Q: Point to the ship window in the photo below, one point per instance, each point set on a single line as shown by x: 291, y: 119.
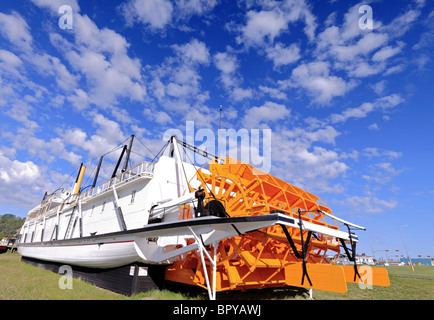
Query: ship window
x: 133, y: 196
x: 103, y: 205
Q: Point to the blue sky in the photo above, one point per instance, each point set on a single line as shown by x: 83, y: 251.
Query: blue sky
x: 350, y: 108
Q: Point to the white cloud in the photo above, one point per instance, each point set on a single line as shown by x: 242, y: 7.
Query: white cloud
x: 350, y: 50
x: 46, y: 150
x: 54, y: 5
x: 316, y: 79
x: 281, y: 55
x: 298, y: 159
x: 18, y: 181
x: 14, y: 171
x: 22, y: 112
x: 107, y: 136
x: 363, y: 53
x: 195, y: 52
x: 327, y: 134
x: 382, y: 173
x: 374, y: 126
x: 239, y: 94
x: 160, y: 117
x: 369, y: 204
x: 101, y: 57
x: 155, y: 13
x: 379, y: 87
x: 227, y: 63
x: 181, y: 75
x: 378, y: 152
x: 79, y: 99
x: 359, y: 112
x: 10, y: 63
x: 14, y: 28
x: 262, y: 27
x: 269, y: 112
x: 401, y: 24
x: 22, y: 183
x: 187, y: 8
x: 108, y: 128
x: 176, y: 84
x: 158, y: 14
x: 387, y: 52
x: 364, y: 46
x: 273, y: 92
x: 306, y: 166
x: 383, y: 104
x: 51, y: 67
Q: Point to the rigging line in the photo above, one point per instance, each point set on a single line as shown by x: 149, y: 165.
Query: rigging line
x: 70, y: 176
x: 197, y: 172
x: 119, y: 146
x: 185, y: 174
x: 112, y: 150
x: 162, y: 150
x: 145, y: 146
x: 139, y: 154
x: 89, y: 177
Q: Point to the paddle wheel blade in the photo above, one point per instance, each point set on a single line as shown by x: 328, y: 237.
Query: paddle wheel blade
x: 325, y: 277
x: 369, y: 276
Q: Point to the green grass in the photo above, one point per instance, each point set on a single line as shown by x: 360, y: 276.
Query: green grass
x: 20, y: 281
x: 405, y: 284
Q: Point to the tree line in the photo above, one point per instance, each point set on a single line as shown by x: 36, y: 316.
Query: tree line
x: 10, y: 225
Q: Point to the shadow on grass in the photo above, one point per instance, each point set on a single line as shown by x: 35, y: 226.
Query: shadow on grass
x: 280, y: 293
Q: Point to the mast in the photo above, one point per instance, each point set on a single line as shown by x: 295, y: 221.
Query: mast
x: 119, y: 161
x: 128, y: 153
x: 220, y: 128
x: 180, y: 171
x: 97, y: 172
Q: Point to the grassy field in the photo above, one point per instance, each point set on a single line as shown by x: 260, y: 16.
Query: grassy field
x: 20, y: 281
x: 405, y: 284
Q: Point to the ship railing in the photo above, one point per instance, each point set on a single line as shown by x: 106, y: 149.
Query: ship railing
x: 142, y: 169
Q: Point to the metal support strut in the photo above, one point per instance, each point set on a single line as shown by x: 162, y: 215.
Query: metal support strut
x: 352, y: 256
x: 304, y: 247
x: 201, y: 248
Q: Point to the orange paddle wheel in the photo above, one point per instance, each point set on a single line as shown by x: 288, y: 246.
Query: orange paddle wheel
x: 271, y: 257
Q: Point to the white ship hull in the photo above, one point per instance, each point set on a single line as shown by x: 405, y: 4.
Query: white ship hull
x: 85, y: 254
x: 154, y: 244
